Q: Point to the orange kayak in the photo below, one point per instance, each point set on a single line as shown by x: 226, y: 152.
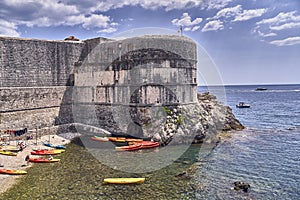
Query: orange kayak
x: 117, y: 139
x: 146, y: 144
x: 12, y: 172
x: 123, y: 139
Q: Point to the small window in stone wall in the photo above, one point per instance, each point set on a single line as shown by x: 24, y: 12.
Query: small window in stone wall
x: 129, y: 47
x: 109, y: 53
x: 195, y: 80
x: 172, y: 63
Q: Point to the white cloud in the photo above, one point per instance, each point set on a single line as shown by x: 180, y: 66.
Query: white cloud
x: 108, y: 30
x: 270, y: 35
x: 281, y: 18
x: 195, y: 28
x: 215, y: 4
x: 46, y: 13
x: 286, y: 42
x: 264, y: 34
x: 285, y: 26
x: 95, y: 21
x: 249, y: 14
x: 187, y: 22
x: 238, y: 14
x: 213, y: 26
x: 168, y: 5
x: 232, y: 14
x: 228, y: 12
x: 282, y: 21
x: 85, y: 13
x: 8, y: 29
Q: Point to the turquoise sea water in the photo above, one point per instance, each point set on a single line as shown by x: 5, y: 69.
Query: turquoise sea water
x: 265, y: 154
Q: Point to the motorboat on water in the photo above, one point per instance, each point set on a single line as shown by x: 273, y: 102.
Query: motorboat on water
x: 260, y: 89
x: 243, y: 105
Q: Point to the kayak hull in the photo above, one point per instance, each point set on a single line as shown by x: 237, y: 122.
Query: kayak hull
x: 146, y: 144
x: 54, y: 146
x: 8, y: 153
x: 12, y: 172
x: 129, y: 148
x: 124, y: 180
x: 101, y: 139
x: 47, y: 152
x: 43, y: 160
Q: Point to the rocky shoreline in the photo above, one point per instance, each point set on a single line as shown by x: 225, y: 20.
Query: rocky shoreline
x: 197, y: 123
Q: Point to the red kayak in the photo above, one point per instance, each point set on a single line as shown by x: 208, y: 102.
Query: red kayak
x: 43, y: 160
x: 129, y: 148
x: 47, y: 152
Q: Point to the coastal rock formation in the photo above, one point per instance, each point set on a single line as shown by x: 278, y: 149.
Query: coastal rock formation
x: 197, y: 122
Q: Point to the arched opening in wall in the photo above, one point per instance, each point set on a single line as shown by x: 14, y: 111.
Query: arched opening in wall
x: 148, y: 106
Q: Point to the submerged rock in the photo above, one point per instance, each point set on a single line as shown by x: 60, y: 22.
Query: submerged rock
x: 239, y: 185
x: 183, y: 174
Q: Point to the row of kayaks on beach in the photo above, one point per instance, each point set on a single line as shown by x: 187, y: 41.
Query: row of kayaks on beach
x: 9, y: 150
x: 40, y: 152
x: 133, y: 144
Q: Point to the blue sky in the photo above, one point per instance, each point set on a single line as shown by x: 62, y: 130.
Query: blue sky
x: 246, y: 41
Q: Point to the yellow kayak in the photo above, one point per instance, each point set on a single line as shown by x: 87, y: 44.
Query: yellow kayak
x: 8, y: 153
x: 124, y: 180
x: 12, y: 172
x: 11, y: 148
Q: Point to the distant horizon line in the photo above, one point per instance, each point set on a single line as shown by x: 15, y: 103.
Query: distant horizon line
x: 249, y: 84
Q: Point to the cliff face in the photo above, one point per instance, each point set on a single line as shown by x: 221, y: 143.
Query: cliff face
x: 197, y: 123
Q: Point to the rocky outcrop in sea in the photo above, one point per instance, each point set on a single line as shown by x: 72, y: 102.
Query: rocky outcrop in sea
x: 197, y: 123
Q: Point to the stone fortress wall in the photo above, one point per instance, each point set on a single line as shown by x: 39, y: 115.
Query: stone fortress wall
x: 34, y: 76
x: 41, y: 81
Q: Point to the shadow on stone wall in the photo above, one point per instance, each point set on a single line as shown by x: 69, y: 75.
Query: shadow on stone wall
x: 105, y: 112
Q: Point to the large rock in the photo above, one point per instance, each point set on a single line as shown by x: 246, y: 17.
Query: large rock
x: 197, y: 123
x: 239, y: 185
